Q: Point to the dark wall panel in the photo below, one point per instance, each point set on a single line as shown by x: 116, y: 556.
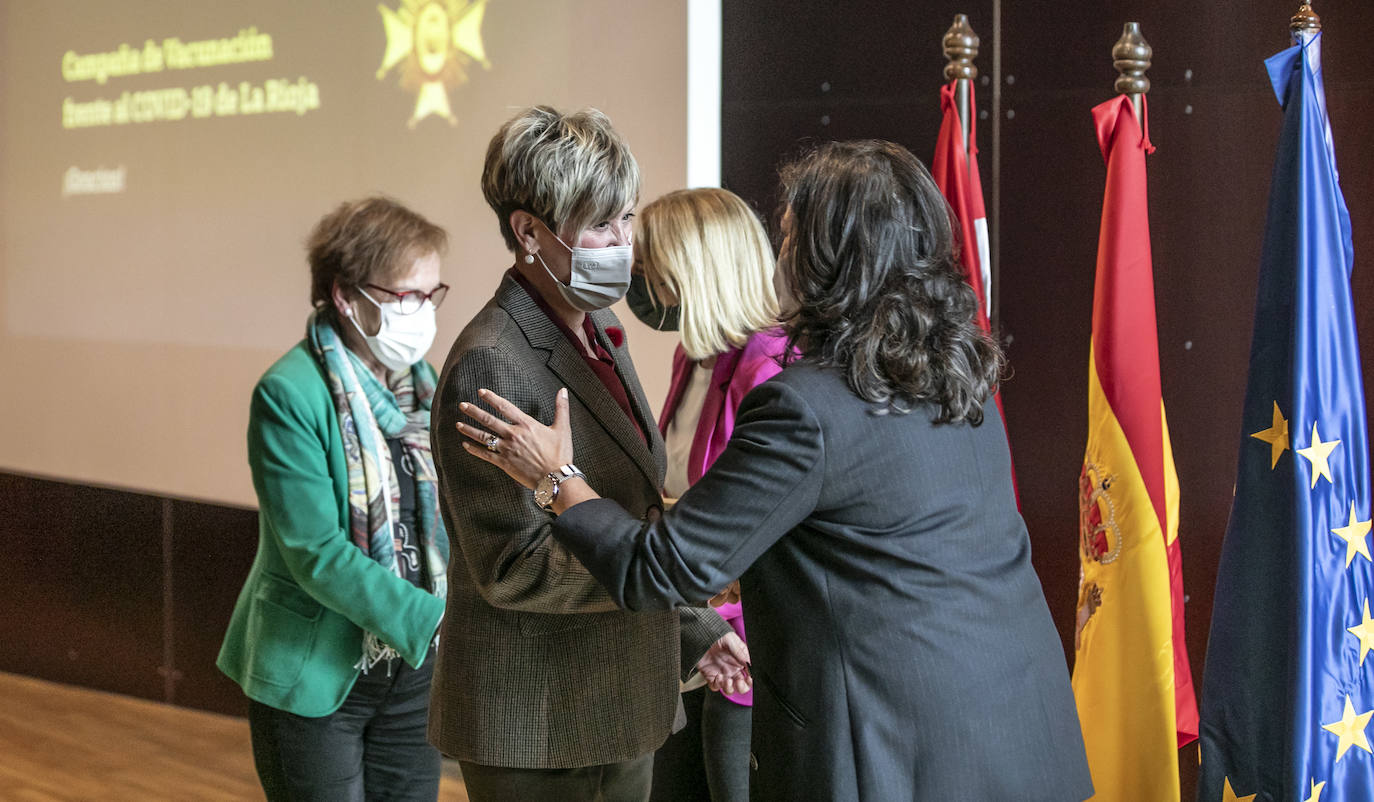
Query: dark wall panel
x: 211, y: 553
x: 82, y: 591
x: 1050, y: 210
x: 798, y: 73
x: 121, y: 591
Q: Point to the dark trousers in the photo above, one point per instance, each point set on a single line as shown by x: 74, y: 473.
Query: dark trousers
x: 612, y: 782
x: 725, y: 740
x: 709, y: 758
x: 372, y: 748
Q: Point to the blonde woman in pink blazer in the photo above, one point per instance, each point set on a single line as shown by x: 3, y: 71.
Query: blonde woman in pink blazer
x: 705, y: 269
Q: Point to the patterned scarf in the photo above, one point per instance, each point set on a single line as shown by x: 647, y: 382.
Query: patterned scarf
x: 370, y: 412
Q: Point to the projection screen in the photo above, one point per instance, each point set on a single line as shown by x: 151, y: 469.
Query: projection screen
x: 163, y: 162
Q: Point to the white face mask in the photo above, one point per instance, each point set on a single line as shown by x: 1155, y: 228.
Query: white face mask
x: 600, y: 276
x: 402, y: 340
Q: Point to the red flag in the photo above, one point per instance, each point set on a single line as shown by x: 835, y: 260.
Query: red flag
x: 956, y: 174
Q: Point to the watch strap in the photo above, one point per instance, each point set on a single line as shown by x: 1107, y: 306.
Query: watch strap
x: 556, y: 478
x: 566, y: 472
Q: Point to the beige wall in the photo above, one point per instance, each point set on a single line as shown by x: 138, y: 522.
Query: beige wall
x: 133, y: 325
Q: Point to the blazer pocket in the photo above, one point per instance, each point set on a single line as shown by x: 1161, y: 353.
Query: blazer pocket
x: 766, y: 682
x: 281, y: 631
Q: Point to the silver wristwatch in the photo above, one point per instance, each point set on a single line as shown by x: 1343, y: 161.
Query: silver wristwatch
x: 546, y: 491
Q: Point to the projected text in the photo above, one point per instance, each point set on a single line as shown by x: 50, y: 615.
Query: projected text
x: 173, y: 104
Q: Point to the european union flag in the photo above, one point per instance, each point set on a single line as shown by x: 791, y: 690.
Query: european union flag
x: 1288, y: 688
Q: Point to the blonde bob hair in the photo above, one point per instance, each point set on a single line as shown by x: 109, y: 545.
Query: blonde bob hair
x: 569, y: 170
x: 708, y: 248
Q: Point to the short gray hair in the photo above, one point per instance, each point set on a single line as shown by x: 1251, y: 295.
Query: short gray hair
x: 568, y: 170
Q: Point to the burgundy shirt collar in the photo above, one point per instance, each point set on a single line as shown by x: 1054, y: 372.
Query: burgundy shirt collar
x: 557, y: 320
x: 601, y: 361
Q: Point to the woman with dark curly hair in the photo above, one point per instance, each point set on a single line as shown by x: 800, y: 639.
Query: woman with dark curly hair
x: 902, y: 645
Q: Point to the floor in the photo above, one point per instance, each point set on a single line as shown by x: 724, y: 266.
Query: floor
x: 60, y: 743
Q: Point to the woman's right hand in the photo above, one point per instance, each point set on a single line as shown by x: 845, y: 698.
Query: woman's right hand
x: 524, y: 448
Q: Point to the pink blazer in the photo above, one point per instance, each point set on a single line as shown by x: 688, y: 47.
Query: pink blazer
x: 736, y: 372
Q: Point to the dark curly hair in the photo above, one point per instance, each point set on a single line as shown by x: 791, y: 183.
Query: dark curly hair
x: 874, y: 286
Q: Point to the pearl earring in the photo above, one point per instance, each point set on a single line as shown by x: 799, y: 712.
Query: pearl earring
x: 529, y: 258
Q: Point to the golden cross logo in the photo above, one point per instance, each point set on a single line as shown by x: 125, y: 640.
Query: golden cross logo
x: 435, y: 42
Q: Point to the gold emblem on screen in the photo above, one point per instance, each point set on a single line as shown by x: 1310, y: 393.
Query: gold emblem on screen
x: 435, y: 42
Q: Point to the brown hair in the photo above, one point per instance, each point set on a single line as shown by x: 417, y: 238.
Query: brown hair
x: 367, y: 240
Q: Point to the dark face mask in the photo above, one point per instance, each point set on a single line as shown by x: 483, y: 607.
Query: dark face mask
x: 653, y: 315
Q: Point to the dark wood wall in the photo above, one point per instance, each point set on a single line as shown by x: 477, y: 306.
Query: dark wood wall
x: 121, y: 591
x: 798, y: 72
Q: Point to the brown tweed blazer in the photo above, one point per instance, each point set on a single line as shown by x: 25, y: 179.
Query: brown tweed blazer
x: 537, y: 667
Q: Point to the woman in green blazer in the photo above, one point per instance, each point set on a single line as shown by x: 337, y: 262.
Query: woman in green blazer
x: 332, y: 638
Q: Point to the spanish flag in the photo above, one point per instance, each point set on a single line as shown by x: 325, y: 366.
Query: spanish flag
x: 1131, y: 677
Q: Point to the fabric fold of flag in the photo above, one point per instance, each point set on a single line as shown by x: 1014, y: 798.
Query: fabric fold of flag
x: 1131, y: 677
x: 956, y: 174
x: 1288, y: 693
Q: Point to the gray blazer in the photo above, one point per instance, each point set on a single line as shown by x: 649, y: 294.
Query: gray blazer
x: 902, y: 648
x: 537, y: 666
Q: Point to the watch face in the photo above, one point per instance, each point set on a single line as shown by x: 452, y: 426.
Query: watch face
x: 543, y: 492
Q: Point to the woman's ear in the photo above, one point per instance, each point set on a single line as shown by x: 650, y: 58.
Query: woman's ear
x: 525, y: 225
x: 340, y: 299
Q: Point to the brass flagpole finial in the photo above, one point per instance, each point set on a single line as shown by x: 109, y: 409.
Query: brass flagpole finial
x: 961, y: 48
x: 1131, y: 57
x: 1305, y: 20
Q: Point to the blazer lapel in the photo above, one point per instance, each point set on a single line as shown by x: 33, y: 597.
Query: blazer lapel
x: 648, y: 451
x: 566, y: 362
x: 712, y: 407
x: 682, y: 373
x: 539, y: 331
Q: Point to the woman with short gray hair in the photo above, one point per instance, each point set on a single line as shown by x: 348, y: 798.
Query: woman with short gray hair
x: 544, y: 688
x: 567, y: 170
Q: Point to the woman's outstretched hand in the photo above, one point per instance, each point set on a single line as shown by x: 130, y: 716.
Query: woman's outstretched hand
x: 524, y: 448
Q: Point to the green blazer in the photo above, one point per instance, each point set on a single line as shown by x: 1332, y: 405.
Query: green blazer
x: 297, y: 629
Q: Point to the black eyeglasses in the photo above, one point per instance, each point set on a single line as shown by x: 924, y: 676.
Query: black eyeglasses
x: 409, y: 302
